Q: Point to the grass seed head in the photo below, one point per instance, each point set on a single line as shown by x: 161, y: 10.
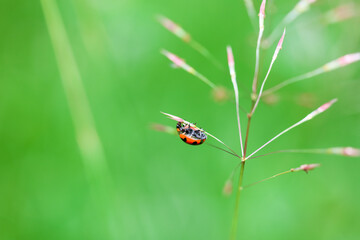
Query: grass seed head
x: 306, y: 167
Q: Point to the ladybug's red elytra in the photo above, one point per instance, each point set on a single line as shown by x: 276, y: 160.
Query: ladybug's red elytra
x: 189, y: 134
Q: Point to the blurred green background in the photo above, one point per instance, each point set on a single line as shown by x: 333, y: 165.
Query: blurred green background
x: 134, y: 183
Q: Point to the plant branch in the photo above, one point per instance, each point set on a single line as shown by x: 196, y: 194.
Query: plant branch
x: 231, y: 153
x: 277, y: 50
x: 310, y: 116
x: 305, y: 167
x: 236, y: 91
x: 330, y: 66
x: 241, y: 175
x: 343, y: 151
x: 178, y: 62
x: 265, y: 179
x: 301, y: 7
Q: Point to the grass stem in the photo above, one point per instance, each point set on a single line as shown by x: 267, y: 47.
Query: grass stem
x: 241, y: 175
x: 236, y: 210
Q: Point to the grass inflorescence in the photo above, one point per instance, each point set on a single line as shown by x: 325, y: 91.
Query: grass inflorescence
x: 256, y: 98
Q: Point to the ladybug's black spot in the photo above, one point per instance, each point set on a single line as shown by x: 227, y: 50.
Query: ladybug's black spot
x: 184, y: 139
x: 195, y: 143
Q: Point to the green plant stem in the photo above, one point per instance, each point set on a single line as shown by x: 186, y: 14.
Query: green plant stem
x: 247, y: 135
x: 236, y: 210
x: 241, y: 176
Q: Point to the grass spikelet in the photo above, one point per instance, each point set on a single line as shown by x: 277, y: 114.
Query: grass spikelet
x: 174, y: 28
x: 277, y: 50
x: 257, y: 58
x: 342, y: 151
x: 251, y: 11
x: 220, y: 94
x: 328, y: 67
x: 228, y: 188
x: 341, y: 13
x: 310, y: 116
x: 178, y: 31
x: 301, y: 7
x: 178, y: 62
x: 162, y: 128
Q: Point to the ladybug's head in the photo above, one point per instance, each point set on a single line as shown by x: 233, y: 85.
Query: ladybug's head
x: 199, y: 134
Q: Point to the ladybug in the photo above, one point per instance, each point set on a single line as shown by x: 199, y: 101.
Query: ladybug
x: 189, y: 134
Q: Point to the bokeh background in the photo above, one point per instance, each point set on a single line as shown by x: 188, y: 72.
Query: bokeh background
x: 61, y: 178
